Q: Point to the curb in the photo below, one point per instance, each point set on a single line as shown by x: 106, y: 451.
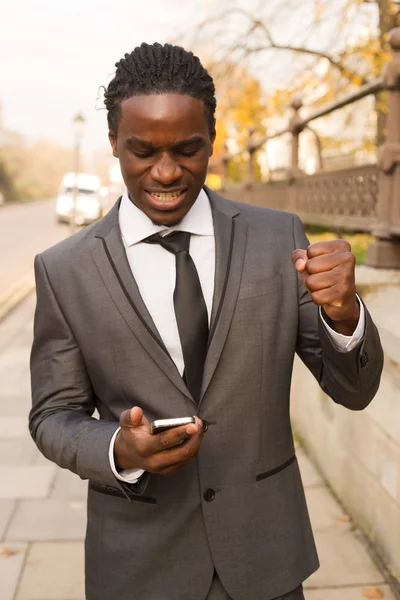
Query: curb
x: 16, y: 294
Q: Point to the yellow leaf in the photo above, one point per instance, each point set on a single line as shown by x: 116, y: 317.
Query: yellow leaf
x: 343, y: 518
x: 373, y: 592
x: 357, y: 80
x: 7, y: 552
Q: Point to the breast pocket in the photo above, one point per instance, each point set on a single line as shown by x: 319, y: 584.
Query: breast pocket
x: 260, y: 287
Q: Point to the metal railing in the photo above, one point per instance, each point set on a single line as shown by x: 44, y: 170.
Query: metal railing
x: 364, y: 198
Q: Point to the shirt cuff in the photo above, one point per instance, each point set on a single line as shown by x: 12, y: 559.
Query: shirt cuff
x: 127, y: 475
x: 345, y: 343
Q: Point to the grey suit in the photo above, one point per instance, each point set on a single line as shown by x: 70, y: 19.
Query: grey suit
x: 239, y: 506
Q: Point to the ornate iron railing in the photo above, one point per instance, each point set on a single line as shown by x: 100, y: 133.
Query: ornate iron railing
x: 346, y: 199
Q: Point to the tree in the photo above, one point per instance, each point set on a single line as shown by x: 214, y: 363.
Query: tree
x: 241, y: 110
x: 340, y: 42
x: 32, y: 172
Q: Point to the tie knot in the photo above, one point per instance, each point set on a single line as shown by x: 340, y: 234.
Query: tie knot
x: 175, y: 242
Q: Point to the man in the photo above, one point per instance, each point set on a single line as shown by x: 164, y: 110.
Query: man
x: 141, y: 321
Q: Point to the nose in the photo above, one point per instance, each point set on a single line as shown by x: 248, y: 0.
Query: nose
x: 166, y: 170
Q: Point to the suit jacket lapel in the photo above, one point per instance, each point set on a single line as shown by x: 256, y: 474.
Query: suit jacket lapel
x: 230, y: 242
x: 110, y: 257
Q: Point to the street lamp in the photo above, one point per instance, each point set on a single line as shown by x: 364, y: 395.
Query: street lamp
x: 78, y: 127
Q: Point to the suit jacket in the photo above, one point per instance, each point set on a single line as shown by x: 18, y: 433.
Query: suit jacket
x: 239, y: 506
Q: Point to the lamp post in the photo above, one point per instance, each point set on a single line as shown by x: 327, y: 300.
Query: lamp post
x: 78, y: 126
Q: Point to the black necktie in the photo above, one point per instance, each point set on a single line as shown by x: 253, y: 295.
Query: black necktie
x: 190, y: 308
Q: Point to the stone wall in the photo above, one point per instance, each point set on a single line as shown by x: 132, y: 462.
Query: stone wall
x: 359, y: 452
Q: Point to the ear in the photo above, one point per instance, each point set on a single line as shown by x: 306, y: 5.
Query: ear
x: 113, y: 141
x: 212, y: 140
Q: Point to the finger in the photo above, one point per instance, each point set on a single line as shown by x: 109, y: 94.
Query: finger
x: 327, y: 247
x: 200, y: 426
x: 171, y: 469
x: 320, y: 281
x: 328, y: 262
x: 299, y: 259
x: 172, y: 437
x: 133, y: 418
x: 180, y: 453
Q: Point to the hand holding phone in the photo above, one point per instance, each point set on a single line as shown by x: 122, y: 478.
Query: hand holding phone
x: 137, y: 447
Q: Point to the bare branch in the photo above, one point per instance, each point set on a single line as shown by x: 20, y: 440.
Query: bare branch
x: 256, y: 24
x: 301, y: 50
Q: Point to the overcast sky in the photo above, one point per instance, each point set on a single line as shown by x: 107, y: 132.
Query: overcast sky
x: 55, y: 54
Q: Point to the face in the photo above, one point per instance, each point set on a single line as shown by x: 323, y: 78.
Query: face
x: 163, y: 144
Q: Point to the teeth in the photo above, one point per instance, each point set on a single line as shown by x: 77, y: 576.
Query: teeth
x: 166, y: 196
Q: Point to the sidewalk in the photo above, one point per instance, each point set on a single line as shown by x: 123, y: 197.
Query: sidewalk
x: 43, y: 512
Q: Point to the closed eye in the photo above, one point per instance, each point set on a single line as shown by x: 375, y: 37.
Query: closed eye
x: 145, y: 154
x: 187, y: 152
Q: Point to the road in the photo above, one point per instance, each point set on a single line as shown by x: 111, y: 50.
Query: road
x: 25, y: 230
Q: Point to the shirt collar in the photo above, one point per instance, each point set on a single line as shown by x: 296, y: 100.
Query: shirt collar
x: 136, y: 226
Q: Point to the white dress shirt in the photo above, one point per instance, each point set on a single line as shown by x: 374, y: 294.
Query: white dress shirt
x: 151, y: 262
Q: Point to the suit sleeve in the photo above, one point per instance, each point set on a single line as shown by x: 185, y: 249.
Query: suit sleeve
x: 349, y: 378
x: 61, y: 421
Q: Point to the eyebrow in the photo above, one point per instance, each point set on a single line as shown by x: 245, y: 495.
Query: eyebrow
x: 194, y: 139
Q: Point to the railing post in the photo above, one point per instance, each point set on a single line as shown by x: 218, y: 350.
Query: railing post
x: 318, y: 145
x: 385, y: 251
x: 295, y: 130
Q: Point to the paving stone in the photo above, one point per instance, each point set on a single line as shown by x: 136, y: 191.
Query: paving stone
x: 309, y: 473
x: 11, y: 562
x: 347, y: 593
x: 344, y: 561
x: 53, y: 572
x: 12, y: 428
x: 51, y: 519
x: 32, y: 481
x: 6, y: 510
x: 17, y: 452
x: 67, y: 485
x: 324, y: 510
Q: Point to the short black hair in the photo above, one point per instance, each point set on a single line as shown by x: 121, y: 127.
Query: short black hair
x: 159, y: 69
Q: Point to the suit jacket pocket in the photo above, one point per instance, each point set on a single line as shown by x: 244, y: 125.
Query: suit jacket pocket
x: 259, y: 287
x: 278, y: 469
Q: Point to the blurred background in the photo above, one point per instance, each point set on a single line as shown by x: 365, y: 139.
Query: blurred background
x: 308, y: 120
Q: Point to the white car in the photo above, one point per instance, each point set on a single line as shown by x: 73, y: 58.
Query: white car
x: 85, y: 194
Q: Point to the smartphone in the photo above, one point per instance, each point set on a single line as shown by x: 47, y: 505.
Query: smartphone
x: 163, y: 424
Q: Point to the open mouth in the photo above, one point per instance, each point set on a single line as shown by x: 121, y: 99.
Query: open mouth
x: 166, y: 200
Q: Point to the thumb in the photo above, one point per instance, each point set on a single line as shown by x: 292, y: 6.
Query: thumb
x: 132, y: 418
x: 299, y: 259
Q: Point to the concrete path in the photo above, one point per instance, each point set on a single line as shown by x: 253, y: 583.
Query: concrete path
x: 42, y: 507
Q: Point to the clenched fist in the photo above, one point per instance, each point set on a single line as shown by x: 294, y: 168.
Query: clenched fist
x: 327, y: 271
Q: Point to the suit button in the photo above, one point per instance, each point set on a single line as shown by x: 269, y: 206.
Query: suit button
x: 205, y: 426
x: 209, y: 495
